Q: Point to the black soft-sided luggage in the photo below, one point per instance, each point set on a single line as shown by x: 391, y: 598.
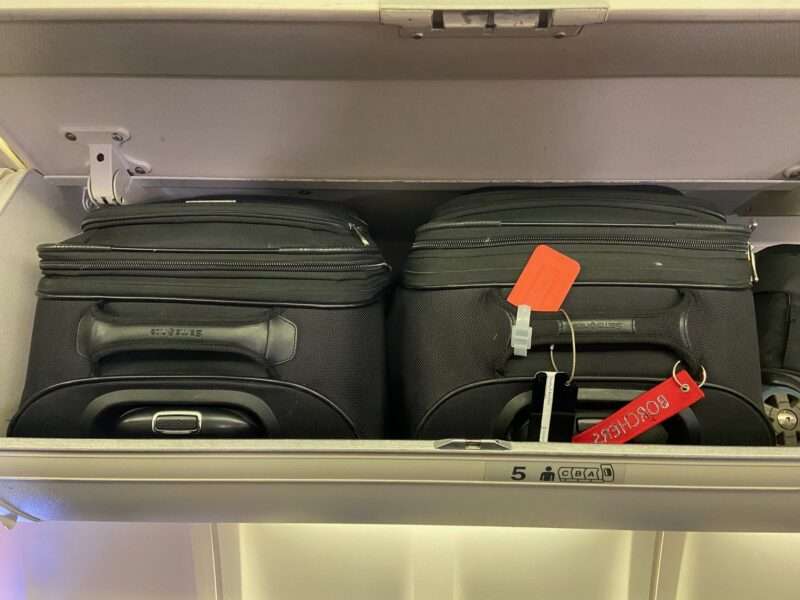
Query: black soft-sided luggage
x: 661, y: 281
x: 777, y: 296
x: 258, y: 318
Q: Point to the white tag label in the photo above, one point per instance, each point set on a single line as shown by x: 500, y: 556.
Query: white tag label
x: 547, y: 405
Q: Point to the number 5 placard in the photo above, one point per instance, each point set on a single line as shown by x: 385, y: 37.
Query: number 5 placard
x: 550, y: 472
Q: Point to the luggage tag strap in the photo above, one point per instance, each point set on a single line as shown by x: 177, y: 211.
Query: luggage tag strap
x: 522, y: 337
x: 542, y: 285
x: 554, y: 399
x: 648, y: 409
x: 574, y: 349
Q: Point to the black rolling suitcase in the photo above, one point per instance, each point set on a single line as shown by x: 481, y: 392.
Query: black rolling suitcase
x: 777, y: 296
x: 225, y: 318
x: 662, y: 285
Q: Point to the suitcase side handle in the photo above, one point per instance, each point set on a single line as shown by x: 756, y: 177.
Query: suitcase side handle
x: 270, y: 341
x: 179, y: 412
x: 668, y: 329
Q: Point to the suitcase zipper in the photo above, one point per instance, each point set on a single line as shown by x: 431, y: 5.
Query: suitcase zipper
x: 165, y: 250
x: 277, y: 219
x: 696, y: 226
x: 209, y: 265
x: 570, y: 200
x: 613, y: 240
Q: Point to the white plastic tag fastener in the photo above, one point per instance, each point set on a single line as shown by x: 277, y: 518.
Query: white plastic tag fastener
x: 521, y: 331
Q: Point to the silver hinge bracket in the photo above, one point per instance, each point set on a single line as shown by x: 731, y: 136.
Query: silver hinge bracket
x: 110, y: 169
x: 558, y: 21
x: 463, y: 444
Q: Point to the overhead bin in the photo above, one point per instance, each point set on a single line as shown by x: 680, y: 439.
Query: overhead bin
x: 343, y: 102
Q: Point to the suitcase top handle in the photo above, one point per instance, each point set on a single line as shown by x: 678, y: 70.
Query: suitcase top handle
x: 668, y: 328
x: 269, y: 341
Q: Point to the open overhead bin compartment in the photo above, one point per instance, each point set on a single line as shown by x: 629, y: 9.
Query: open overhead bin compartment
x: 347, y: 103
x: 388, y: 481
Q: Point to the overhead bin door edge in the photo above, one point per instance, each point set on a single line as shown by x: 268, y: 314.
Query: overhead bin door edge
x: 191, y: 10
x: 741, y: 11
x: 368, y: 10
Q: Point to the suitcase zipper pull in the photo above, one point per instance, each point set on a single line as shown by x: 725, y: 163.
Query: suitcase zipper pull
x: 359, y: 234
x: 751, y: 258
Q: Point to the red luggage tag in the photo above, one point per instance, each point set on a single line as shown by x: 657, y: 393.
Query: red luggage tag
x: 545, y: 280
x: 644, y: 412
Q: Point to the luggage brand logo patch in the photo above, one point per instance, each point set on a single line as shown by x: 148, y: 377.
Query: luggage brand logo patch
x: 179, y: 332
x: 620, y: 325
